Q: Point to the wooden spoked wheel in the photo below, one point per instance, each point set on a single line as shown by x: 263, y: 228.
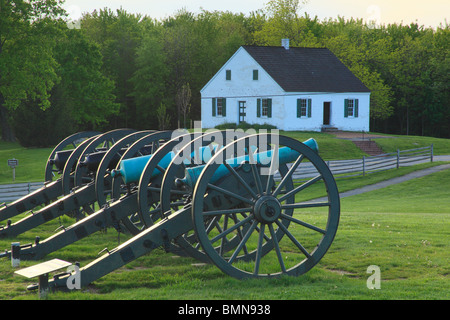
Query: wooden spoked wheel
x: 103, y: 142
x: 287, y: 231
x: 193, y: 155
x: 152, y: 180
x: 136, y: 222
x: 103, y: 179
x: 68, y: 145
x: 76, y: 174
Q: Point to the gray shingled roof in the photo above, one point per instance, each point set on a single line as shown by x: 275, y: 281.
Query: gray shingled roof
x: 306, y: 69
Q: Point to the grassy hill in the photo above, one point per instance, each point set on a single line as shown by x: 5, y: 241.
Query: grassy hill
x: 399, y: 228
x: 31, y: 166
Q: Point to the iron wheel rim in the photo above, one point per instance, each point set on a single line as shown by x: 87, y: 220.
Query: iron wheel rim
x: 230, y: 265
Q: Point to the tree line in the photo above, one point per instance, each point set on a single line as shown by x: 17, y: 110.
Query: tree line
x: 118, y: 69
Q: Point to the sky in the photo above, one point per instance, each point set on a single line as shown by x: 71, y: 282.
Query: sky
x: 430, y: 13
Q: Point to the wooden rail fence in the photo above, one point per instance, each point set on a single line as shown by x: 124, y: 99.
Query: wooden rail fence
x: 343, y: 168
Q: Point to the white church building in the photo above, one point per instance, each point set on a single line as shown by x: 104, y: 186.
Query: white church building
x: 304, y: 89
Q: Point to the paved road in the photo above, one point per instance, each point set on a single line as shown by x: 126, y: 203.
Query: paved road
x: 307, y: 170
x: 406, y: 177
x: 441, y: 158
x: 386, y: 183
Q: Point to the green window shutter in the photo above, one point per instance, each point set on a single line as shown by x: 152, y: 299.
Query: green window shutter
x: 258, y: 108
x: 224, y: 107
x: 213, y: 107
x: 299, y: 108
x: 356, y: 108
x: 255, y: 74
x: 228, y: 74
x: 346, y: 108
x: 269, y: 108
x: 309, y: 108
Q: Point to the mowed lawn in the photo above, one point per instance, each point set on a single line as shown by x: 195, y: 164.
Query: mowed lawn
x: 32, y: 161
x: 402, y: 229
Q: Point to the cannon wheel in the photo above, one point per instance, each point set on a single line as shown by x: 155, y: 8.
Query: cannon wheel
x: 72, y: 141
x: 188, y: 242
x: 134, y: 224
x: 70, y: 166
x: 279, y: 241
x: 150, y: 191
x: 73, y: 176
x: 104, y: 141
x: 103, y: 175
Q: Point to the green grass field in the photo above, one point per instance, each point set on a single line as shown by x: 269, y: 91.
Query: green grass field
x: 32, y: 161
x: 402, y: 229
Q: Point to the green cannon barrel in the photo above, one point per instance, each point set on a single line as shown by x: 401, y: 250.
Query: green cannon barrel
x: 92, y: 160
x: 285, y: 155
x: 131, y: 169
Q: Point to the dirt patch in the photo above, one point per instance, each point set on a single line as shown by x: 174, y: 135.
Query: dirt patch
x: 342, y: 272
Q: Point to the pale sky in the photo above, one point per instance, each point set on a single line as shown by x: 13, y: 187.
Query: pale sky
x: 425, y: 12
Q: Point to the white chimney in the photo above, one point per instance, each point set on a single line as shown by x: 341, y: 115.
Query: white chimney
x: 285, y: 43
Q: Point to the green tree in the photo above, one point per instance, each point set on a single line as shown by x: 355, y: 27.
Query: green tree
x: 283, y: 21
x: 28, y: 33
x: 408, y: 76
x: 81, y: 100
x: 83, y: 89
x: 354, y: 55
x: 183, y: 99
x: 118, y: 34
x: 186, y: 48
x: 439, y: 102
x: 150, y: 78
x: 180, y: 42
x: 163, y: 117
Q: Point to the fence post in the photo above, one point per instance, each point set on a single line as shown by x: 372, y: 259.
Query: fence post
x: 431, y: 153
x: 364, y: 165
x: 398, y: 158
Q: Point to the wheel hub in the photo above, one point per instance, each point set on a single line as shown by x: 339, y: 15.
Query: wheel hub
x: 267, y: 209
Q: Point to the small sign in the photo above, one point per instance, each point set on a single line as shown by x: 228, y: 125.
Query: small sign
x: 13, y: 163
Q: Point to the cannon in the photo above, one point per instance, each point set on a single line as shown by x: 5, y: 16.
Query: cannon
x: 76, y: 183
x: 81, y: 198
x: 112, y: 213
x: 55, y: 165
x: 246, y: 213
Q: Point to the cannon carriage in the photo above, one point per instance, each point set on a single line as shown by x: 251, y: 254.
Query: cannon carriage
x: 224, y: 198
x: 73, y: 190
x: 52, y: 189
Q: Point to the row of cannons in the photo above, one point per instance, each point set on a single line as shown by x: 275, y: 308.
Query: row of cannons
x: 222, y: 197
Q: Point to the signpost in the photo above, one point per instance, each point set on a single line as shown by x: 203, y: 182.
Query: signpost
x: 13, y: 163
